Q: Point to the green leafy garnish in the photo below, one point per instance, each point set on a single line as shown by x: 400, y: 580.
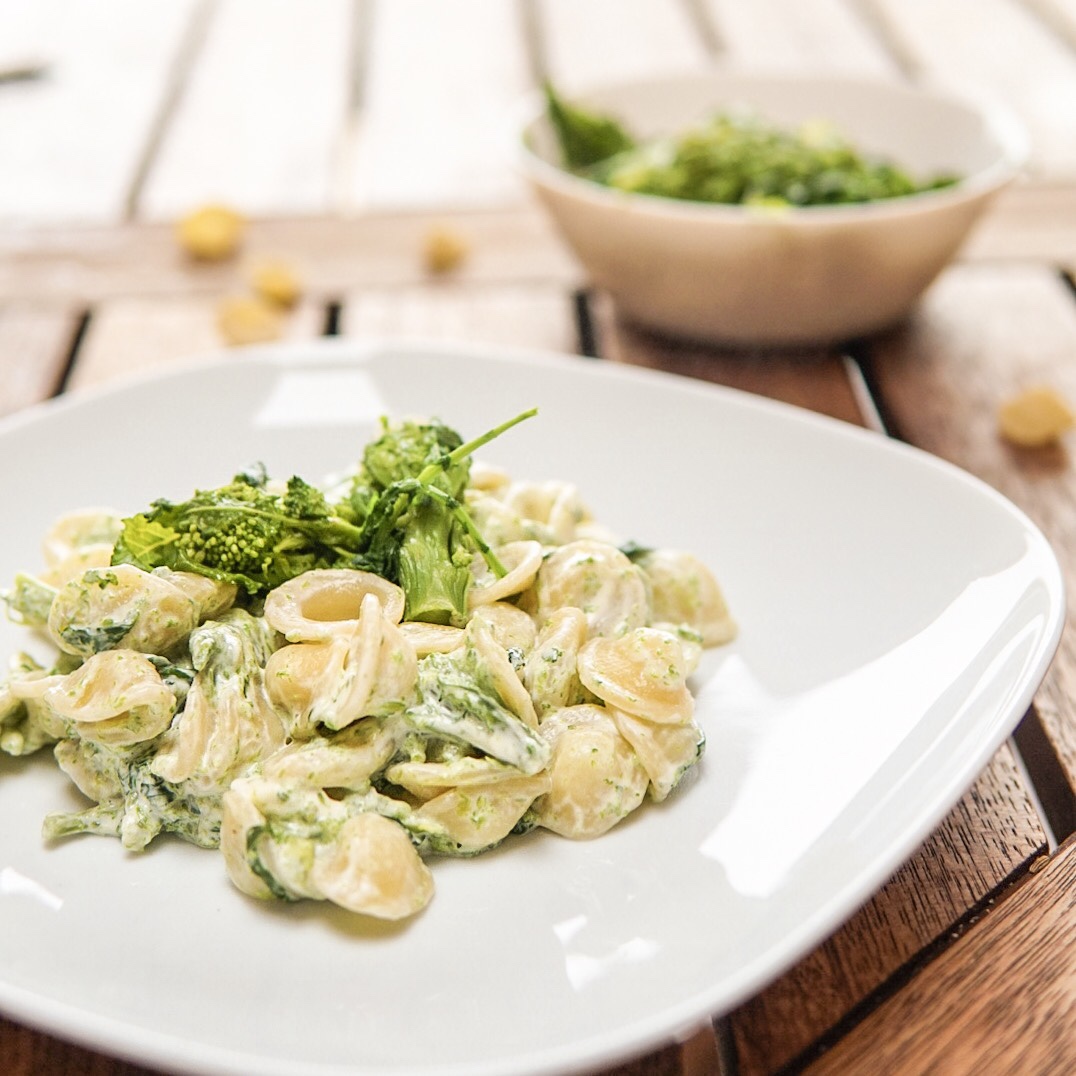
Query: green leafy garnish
x: 402, y: 518
x: 732, y: 158
x: 240, y: 533
x: 585, y: 137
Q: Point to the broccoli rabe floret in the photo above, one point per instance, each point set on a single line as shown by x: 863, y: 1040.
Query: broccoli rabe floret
x: 241, y: 533
x: 416, y: 531
x: 402, y: 518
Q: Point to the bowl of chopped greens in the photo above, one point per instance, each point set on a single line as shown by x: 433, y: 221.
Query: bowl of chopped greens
x: 750, y: 209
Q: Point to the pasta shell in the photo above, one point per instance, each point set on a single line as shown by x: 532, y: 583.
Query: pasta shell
x: 425, y: 780
x: 521, y: 559
x: 596, y: 777
x: 319, y: 604
x: 510, y: 626
x: 372, y: 867
x: 211, y: 596
x: 667, y: 752
x: 120, y: 607
x: 555, y: 505
x: 76, y: 530
x: 349, y: 759
x: 549, y: 673
x: 683, y: 591
x: 431, y: 638
x: 228, y: 721
x: 115, y: 698
x: 598, y: 579
x: 98, y: 555
x: 505, y: 679
x: 642, y: 673
x: 479, y: 816
x: 240, y: 816
x: 367, y: 672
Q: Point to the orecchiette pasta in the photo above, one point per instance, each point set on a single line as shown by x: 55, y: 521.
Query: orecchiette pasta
x: 597, y: 779
x: 641, y: 673
x: 116, y: 698
x: 78, y: 530
x: 366, y: 669
x: 316, y: 731
x: 318, y: 605
x: 121, y: 605
x: 683, y: 591
x: 598, y: 579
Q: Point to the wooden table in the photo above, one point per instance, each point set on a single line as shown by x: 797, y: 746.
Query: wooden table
x: 346, y: 129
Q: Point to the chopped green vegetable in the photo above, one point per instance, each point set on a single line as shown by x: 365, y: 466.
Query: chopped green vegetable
x: 415, y: 530
x: 460, y: 703
x: 240, y: 533
x: 585, y: 138
x: 737, y: 159
x: 401, y: 518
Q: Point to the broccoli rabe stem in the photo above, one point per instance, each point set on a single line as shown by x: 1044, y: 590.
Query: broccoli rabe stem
x: 430, y: 472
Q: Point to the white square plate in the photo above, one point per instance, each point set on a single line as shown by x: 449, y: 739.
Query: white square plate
x: 896, y: 616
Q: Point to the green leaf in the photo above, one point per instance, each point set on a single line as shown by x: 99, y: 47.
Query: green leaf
x: 585, y: 137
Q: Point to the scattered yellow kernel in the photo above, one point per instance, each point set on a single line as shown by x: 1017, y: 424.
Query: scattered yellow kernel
x: 276, y: 282
x: 247, y: 319
x: 212, y: 233
x: 445, y: 249
x: 1035, y: 417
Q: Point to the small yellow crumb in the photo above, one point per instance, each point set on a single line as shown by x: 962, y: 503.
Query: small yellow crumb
x: 444, y: 249
x: 1035, y: 417
x: 276, y: 282
x: 212, y: 233
x: 247, y: 319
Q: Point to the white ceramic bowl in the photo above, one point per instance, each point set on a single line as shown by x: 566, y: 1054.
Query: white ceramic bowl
x: 749, y: 276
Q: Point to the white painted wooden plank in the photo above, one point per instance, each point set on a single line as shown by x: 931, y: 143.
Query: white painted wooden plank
x: 259, y: 123
x: 794, y: 35
x: 439, y: 105
x: 587, y: 42
x: 999, y: 47
x: 131, y: 336
x: 1059, y: 13
x: 73, y: 139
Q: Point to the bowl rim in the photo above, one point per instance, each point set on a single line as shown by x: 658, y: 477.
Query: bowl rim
x: 1009, y: 134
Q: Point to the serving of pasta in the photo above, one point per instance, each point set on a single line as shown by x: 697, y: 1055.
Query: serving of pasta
x: 335, y: 685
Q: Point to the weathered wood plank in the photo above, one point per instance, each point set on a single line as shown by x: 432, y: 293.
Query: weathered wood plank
x: 26, y: 1052
x: 817, y: 380
x: 1000, y: 1000
x: 35, y: 342
x: 73, y: 139
x: 335, y: 255
x: 794, y: 35
x: 438, y: 106
x: 589, y: 42
x: 989, y: 837
x: 1019, y: 61
x: 261, y: 114
x: 128, y: 337
x: 983, y: 333
x: 512, y: 315
x: 1029, y: 222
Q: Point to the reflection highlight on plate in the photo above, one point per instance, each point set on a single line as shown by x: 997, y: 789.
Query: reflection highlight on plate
x: 15, y: 884
x: 864, y: 718
x: 583, y: 969
x: 321, y: 397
